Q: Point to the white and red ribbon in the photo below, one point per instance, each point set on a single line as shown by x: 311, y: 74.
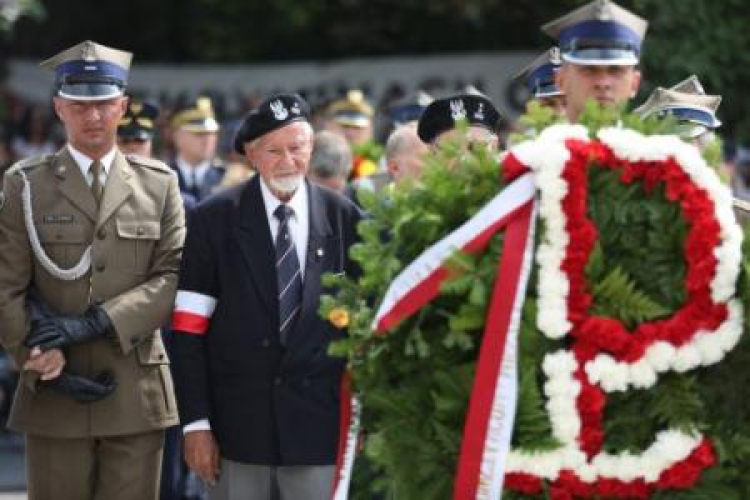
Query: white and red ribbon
x: 491, y: 412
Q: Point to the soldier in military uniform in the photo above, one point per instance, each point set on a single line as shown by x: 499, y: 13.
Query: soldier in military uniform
x: 135, y: 132
x: 539, y: 78
x: 196, y: 135
x: 90, y: 244
x: 600, y: 45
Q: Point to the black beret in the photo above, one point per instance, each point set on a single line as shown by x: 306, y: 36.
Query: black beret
x: 443, y: 114
x: 273, y: 113
x: 139, y: 120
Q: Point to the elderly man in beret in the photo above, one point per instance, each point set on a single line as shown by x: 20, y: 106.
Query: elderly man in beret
x: 439, y: 121
x: 257, y: 390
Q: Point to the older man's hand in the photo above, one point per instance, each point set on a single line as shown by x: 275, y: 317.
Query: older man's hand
x: 202, y: 455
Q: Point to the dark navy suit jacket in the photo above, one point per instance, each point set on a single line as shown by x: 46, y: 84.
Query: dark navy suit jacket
x: 268, y: 404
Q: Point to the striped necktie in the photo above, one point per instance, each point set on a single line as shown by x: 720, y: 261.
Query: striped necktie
x: 288, y: 274
x: 97, y: 187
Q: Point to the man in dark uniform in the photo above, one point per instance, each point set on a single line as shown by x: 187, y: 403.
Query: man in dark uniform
x: 539, y: 78
x: 135, y: 132
x: 195, y: 133
x: 258, y: 393
x: 438, y: 122
x: 90, y: 241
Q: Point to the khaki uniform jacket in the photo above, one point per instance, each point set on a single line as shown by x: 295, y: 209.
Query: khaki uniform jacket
x: 136, y: 236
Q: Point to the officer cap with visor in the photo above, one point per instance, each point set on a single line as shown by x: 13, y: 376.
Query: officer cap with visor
x: 600, y: 33
x: 90, y: 72
x: 539, y: 75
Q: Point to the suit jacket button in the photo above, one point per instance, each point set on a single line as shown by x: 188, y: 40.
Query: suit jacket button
x: 101, y: 234
x: 139, y: 230
x: 100, y: 268
x: 98, y: 301
x: 278, y: 380
x: 134, y: 340
x: 266, y: 343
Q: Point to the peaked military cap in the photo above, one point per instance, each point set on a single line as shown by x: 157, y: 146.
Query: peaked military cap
x: 90, y: 72
x: 139, y: 120
x: 351, y: 111
x: 273, y: 113
x: 688, y: 103
x: 196, y: 116
x: 600, y: 33
x: 539, y: 75
x: 443, y: 115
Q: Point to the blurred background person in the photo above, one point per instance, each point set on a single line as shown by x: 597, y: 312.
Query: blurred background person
x: 539, y: 79
x: 135, y: 132
x: 438, y: 123
x: 352, y: 116
x: 331, y: 161
x: 34, y: 136
x: 195, y: 133
x: 404, y: 153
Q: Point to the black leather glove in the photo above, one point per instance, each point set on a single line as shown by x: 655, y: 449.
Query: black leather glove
x: 82, y: 389
x: 61, y: 331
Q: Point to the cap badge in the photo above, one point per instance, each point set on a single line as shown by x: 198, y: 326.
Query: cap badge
x: 279, y: 110
x: 88, y: 52
x: 479, y: 114
x: 458, y: 112
x: 136, y: 108
x: 603, y: 11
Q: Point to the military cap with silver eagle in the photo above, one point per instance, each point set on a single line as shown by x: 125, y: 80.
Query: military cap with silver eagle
x: 539, y: 74
x: 90, y: 72
x: 600, y: 33
x: 688, y: 103
x: 273, y: 113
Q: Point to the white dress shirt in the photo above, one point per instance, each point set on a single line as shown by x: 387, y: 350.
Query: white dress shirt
x: 84, y: 163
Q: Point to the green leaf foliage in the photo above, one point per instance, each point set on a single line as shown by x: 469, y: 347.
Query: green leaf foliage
x: 415, y: 381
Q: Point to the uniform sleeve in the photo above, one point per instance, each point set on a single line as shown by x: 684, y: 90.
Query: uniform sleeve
x: 143, y: 309
x: 16, y: 267
x: 197, y: 297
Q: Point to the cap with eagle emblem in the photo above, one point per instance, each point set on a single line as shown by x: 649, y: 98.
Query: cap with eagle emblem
x: 90, y: 72
x: 273, y: 113
x: 600, y: 33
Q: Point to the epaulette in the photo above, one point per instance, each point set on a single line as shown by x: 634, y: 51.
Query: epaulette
x: 145, y: 161
x: 30, y: 163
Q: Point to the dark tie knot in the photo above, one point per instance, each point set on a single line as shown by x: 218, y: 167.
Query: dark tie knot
x: 283, y: 212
